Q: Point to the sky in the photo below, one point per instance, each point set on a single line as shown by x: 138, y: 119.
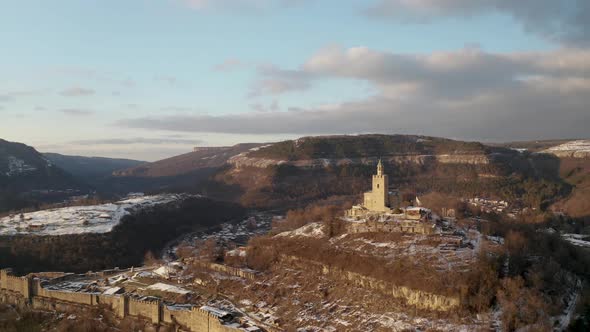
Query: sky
x: 149, y: 79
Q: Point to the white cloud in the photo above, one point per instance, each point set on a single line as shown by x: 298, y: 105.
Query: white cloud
x: 467, y: 93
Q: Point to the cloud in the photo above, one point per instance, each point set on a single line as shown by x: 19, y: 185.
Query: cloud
x: 136, y: 140
x: 76, y: 112
x: 272, y: 107
x: 466, y: 93
x: 565, y: 21
x: 274, y: 81
x: 229, y: 64
x: 76, y: 92
x: 176, y: 109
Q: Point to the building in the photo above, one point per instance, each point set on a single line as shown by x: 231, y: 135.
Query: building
x: 380, y: 211
x: 380, y: 199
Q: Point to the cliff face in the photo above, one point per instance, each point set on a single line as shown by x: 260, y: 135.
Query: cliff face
x: 244, y: 160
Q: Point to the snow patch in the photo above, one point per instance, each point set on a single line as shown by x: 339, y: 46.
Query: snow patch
x: 315, y: 230
x: 79, y: 219
x: 168, y: 288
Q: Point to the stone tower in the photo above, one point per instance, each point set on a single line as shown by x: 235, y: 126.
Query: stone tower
x: 378, y: 198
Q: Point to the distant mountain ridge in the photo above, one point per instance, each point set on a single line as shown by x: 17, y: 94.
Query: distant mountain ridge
x: 199, y: 159
x: 27, y: 178
x: 363, y: 146
x: 23, y: 168
x: 90, y: 166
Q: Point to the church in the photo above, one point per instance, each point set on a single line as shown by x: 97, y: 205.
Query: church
x: 380, y: 211
x: 379, y: 199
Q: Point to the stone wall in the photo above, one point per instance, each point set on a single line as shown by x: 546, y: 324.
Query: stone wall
x: 145, y: 309
x: 233, y: 271
x: 417, y: 298
x: 394, y: 226
x: 28, y: 292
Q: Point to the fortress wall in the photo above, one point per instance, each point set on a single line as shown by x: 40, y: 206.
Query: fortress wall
x: 13, y: 298
x: 392, y: 227
x: 26, y: 292
x: 418, y: 298
x: 233, y: 271
x: 200, y: 320
x: 81, y: 298
x: 116, y: 303
x: 184, y: 318
x: 146, y: 309
x: 48, y: 304
x: 21, y: 285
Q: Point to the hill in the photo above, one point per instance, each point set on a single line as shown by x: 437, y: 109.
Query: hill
x: 311, y: 168
x: 363, y: 146
x: 28, y: 178
x: 200, y: 158
x: 90, y: 167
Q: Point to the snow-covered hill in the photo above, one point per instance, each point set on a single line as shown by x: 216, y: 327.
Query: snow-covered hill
x: 79, y: 219
x: 576, y: 149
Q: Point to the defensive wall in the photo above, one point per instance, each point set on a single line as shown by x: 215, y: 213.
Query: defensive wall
x: 230, y: 270
x: 417, y: 298
x: 28, y: 292
x: 371, y: 226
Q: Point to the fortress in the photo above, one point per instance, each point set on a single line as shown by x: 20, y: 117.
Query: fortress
x: 31, y: 292
x: 380, y: 211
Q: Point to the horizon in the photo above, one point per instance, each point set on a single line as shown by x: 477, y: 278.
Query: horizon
x: 152, y: 79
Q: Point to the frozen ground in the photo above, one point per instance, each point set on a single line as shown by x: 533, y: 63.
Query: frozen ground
x: 579, y: 148
x: 579, y: 145
x: 314, y: 230
x: 580, y: 240
x: 79, y: 219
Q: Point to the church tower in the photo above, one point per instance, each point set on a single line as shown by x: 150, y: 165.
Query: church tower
x: 378, y: 198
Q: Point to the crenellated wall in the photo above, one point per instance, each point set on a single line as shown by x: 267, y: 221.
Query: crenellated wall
x: 145, y: 309
x: 20, y: 285
x: 28, y: 292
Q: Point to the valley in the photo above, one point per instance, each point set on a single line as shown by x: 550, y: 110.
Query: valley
x: 277, y: 237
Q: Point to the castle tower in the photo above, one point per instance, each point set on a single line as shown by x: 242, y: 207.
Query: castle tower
x: 378, y: 198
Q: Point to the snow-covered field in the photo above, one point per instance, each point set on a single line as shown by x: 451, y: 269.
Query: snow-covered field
x: 579, y: 148
x: 579, y: 240
x: 79, y: 219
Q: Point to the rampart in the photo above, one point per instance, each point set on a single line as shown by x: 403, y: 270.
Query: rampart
x: 370, y: 226
x: 233, y: 271
x: 29, y: 292
x: 417, y: 298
